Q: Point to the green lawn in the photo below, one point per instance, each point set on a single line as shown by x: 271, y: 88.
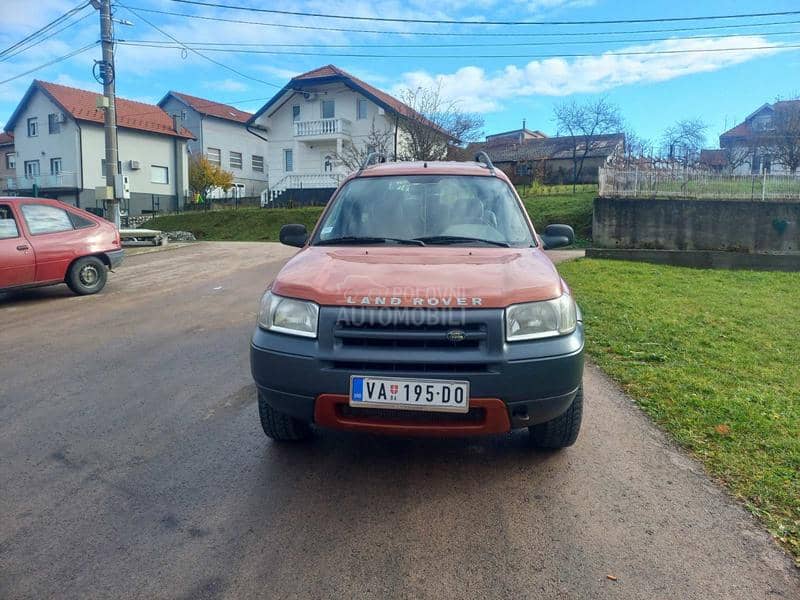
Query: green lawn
x: 713, y: 357
x: 256, y: 224
x: 240, y: 225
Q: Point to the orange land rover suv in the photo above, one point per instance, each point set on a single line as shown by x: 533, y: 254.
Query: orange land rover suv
x: 422, y: 303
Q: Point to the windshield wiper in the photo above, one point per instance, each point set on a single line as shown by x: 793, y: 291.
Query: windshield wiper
x: 458, y: 239
x: 354, y: 239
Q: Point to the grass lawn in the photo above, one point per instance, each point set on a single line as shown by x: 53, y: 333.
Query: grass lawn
x: 263, y: 225
x: 239, y: 225
x: 713, y: 357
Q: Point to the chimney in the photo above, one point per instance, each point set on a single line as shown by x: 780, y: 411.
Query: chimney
x: 523, y: 123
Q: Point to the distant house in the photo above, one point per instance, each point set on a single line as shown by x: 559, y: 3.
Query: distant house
x: 748, y: 144
x: 59, y: 142
x: 221, y: 135
x: 8, y: 160
x: 318, y: 118
x: 714, y: 160
x: 549, y: 159
x: 516, y: 135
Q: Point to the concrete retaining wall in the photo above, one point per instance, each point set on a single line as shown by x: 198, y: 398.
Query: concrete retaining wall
x: 677, y: 224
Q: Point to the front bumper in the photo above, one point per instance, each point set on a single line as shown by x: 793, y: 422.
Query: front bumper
x: 535, y: 380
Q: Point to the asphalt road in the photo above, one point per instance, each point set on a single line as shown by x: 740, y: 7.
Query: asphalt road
x: 132, y: 465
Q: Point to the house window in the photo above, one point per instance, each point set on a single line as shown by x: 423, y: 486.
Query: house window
x: 288, y: 161
x: 11, y: 160
x: 183, y: 115
x: 42, y: 218
x: 361, y: 109
x: 159, y: 174
x: 296, y: 112
x: 55, y: 166
x: 31, y: 168
x: 33, y: 127
x: 54, y: 123
x: 103, y: 167
x: 327, y: 164
x: 328, y: 109
x: 258, y: 163
x: 236, y: 160
x: 214, y: 156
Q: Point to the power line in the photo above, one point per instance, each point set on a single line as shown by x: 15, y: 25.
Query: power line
x: 463, y: 45
x: 460, y: 34
x: 39, y: 32
x: 456, y: 22
x: 201, y: 55
x: 471, y: 56
x: 47, y: 37
x: 52, y: 62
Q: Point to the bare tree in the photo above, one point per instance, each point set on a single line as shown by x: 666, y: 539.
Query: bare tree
x: 637, y: 149
x: 434, y: 124
x: 585, y: 123
x: 783, y: 137
x: 684, y: 140
x: 378, y: 140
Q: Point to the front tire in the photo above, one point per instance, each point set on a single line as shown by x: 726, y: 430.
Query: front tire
x: 280, y: 426
x: 561, y: 431
x: 87, y: 275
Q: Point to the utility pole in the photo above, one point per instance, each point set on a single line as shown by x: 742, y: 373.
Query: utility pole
x: 106, y: 75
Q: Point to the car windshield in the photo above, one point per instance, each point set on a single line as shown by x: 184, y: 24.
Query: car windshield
x: 431, y: 209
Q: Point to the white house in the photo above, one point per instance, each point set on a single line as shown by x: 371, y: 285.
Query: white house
x: 316, y: 119
x: 60, y: 149
x: 749, y: 147
x: 221, y: 135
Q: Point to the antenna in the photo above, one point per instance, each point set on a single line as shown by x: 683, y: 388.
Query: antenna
x: 484, y: 158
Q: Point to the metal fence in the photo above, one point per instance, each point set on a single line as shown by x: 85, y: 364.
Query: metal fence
x: 701, y: 185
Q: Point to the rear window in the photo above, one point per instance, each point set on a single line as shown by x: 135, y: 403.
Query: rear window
x: 42, y: 218
x: 80, y: 222
x: 8, y: 226
x: 433, y: 208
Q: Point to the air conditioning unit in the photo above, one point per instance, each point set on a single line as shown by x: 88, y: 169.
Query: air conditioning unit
x: 381, y: 111
x: 133, y: 165
x: 62, y: 118
x: 310, y: 96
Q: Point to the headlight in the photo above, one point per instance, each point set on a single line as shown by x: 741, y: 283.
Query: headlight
x: 287, y: 315
x: 541, y: 319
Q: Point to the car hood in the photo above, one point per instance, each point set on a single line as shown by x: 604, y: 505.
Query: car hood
x: 419, y: 276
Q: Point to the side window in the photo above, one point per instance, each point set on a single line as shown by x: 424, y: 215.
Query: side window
x: 361, y: 109
x: 296, y: 112
x: 8, y: 226
x: 33, y: 127
x: 42, y: 218
x: 80, y: 222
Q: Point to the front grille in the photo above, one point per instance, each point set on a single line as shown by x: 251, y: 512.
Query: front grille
x: 402, y: 334
x: 474, y: 415
x: 412, y: 368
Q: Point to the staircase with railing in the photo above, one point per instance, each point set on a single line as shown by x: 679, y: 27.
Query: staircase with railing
x: 300, y: 182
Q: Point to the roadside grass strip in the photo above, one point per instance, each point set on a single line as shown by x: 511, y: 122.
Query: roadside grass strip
x: 714, y: 358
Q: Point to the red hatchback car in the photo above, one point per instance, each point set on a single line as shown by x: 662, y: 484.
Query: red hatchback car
x: 47, y: 242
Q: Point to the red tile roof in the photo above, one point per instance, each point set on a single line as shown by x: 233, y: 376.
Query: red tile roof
x: 742, y: 129
x: 392, y: 102
x: 713, y: 158
x: 213, y: 109
x: 6, y: 138
x: 81, y: 106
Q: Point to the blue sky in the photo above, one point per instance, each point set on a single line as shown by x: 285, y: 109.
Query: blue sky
x: 652, y: 91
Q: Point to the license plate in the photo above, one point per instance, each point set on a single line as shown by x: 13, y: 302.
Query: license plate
x: 410, y: 394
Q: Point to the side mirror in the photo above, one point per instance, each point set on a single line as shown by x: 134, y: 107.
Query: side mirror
x: 294, y: 235
x: 556, y: 236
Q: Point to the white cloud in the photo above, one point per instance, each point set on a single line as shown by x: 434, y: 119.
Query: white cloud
x: 481, y: 92
x: 227, y: 85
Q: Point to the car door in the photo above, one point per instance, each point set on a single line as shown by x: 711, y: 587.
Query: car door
x: 17, y: 259
x: 53, y: 237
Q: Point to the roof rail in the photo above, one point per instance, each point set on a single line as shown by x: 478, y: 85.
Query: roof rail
x: 370, y: 157
x: 483, y: 157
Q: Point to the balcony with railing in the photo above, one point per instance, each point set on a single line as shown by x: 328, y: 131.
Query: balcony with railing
x: 63, y: 180
x: 322, y: 129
